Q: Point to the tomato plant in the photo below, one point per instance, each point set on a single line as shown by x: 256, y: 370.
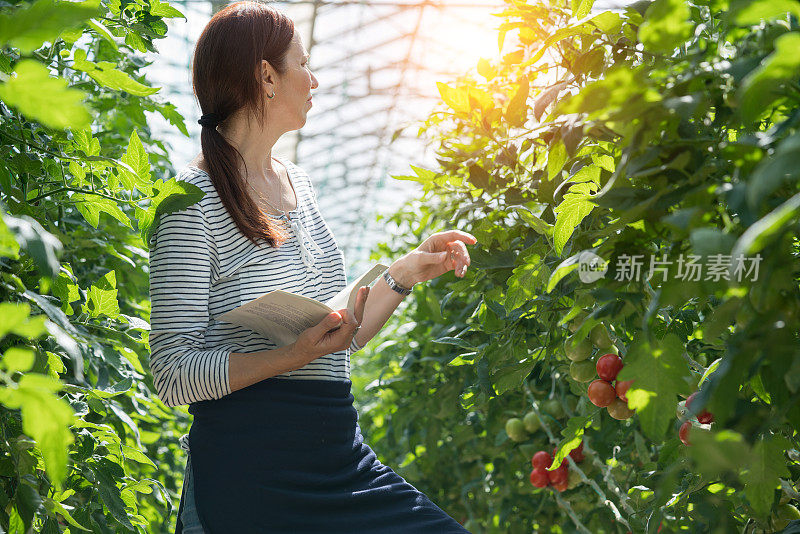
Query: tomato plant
x: 87, y: 444
x: 630, y: 179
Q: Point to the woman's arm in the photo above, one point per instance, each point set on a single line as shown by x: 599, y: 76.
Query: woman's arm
x: 381, y: 304
x: 440, y: 253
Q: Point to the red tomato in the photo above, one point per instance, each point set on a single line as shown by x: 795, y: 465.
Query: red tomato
x: 562, y: 486
x: 622, y: 388
x: 577, y: 456
x: 539, y: 478
x: 705, y: 416
x: 683, y: 433
x: 559, y: 475
x: 601, y: 393
x: 608, y: 367
x: 541, y: 460
x: 577, y: 453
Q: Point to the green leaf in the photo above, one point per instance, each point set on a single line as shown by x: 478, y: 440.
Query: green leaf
x: 753, y: 12
x: 608, y: 22
x: 164, y: 10
x: 479, y: 177
x: 765, y: 467
x: 455, y: 98
x: 457, y: 341
x: 572, y: 210
x: 557, y: 36
x: 102, y: 297
x: 106, y: 74
x: 91, y: 205
x: 719, y: 452
x: 18, y: 359
x: 8, y: 245
x: 55, y: 365
x: 537, y: 224
x: 136, y: 455
x: 5, y: 186
x: 556, y: 157
x: 109, y: 492
x: 42, y: 246
x: 120, y: 387
x: 511, y: 376
x: 135, y: 41
x: 423, y: 176
x: 45, y: 99
x: 762, y: 86
x: 771, y: 173
x: 581, y: 8
x: 485, y: 69
x: 517, y: 111
x: 573, y: 435
x: 563, y: 269
x: 28, y: 27
x: 659, y: 375
x: 666, y: 26
x: 15, y: 315
x: 67, y: 291
x: 136, y: 158
x: 173, y: 195
x: 755, y: 238
x: 45, y: 417
x: 170, y: 112
x: 622, y: 89
x: 55, y: 507
x: 526, y: 281
x: 103, y: 32
x: 711, y: 368
x: 15, y: 523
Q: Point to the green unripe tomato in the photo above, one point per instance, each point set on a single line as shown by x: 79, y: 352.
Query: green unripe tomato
x: 576, y: 321
x: 553, y: 407
x: 573, y: 479
x: 599, y: 337
x: 572, y: 403
x: 515, y: 429
x: 578, y: 352
x: 783, y: 514
x: 583, y: 371
x: 531, y: 422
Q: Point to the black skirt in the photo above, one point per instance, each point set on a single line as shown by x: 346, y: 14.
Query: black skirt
x: 287, y: 455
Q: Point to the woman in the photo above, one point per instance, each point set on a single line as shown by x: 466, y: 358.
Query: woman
x: 274, y: 445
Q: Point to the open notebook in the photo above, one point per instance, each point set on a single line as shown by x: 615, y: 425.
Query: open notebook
x: 282, y: 316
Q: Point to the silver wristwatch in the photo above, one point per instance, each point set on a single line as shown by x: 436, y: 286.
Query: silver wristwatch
x: 389, y: 280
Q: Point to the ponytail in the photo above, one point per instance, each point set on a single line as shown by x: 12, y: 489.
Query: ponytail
x: 227, y: 55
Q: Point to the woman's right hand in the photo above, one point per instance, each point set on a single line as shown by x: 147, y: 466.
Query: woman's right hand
x: 332, y: 334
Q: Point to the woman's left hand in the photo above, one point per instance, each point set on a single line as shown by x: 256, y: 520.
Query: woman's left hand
x: 441, y: 252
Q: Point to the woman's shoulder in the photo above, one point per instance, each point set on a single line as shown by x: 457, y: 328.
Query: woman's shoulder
x: 195, y: 176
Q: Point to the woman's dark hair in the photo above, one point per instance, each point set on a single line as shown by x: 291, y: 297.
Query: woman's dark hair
x: 226, y: 78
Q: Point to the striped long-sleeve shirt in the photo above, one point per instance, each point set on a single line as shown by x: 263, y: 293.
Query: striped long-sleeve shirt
x: 202, y: 266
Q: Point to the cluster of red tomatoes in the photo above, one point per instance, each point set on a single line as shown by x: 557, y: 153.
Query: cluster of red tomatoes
x: 560, y: 477
x: 608, y: 392
x: 705, y: 417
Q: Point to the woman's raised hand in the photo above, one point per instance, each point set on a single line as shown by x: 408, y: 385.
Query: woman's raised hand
x: 440, y: 253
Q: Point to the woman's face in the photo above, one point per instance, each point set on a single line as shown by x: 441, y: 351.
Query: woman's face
x: 293, y: 88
